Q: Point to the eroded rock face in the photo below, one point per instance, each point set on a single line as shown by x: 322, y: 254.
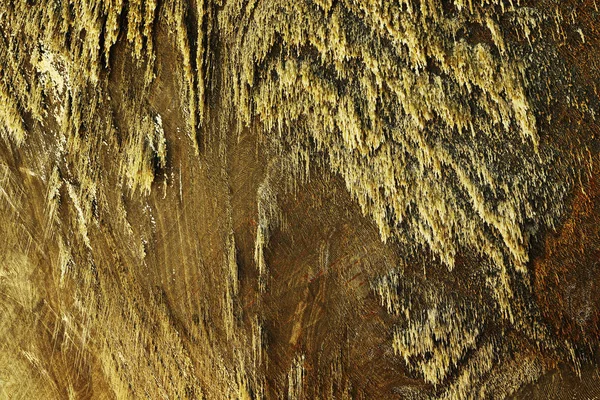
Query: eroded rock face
x: 301, y: 199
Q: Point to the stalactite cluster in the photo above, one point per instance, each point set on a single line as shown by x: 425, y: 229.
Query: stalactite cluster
x: 298, y: 198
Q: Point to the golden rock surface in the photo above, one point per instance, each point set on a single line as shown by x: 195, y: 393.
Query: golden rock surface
x: 301, y: 199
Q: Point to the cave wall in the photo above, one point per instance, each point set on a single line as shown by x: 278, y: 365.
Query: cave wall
x: 299, y: 199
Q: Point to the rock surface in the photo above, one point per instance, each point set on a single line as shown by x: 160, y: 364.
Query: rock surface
x: 299, y: 199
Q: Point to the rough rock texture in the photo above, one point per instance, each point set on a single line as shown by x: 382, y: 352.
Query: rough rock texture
x: 299, y: 199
